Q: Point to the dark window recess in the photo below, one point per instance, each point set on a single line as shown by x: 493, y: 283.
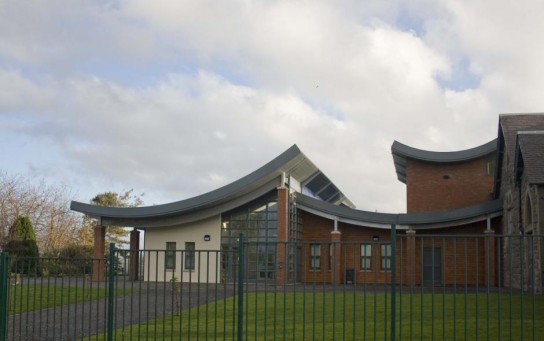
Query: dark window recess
x: 170, y: 256
x: 350, y: 276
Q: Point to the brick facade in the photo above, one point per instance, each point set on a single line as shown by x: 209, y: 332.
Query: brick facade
x: 471, y: 260
x: 438, y: 187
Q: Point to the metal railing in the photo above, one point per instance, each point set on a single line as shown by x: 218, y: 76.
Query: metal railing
x: 409, y: 287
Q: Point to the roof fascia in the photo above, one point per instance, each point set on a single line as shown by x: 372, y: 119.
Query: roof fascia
x: 215, y: 197
x: 401, y: 153
x: 189, y: 217
x: 428, y: 220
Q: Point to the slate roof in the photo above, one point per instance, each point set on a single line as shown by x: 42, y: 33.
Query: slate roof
x: 530, y: 156
x: 511, y: 124
x: 509, y: 127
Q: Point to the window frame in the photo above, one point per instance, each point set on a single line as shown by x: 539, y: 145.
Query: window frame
x: 315, y: 257
x: 189, y: 256
x: 170, y: 256
x: 364, y: 257
x: 385, y: 255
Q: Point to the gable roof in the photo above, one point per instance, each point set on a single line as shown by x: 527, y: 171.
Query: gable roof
x: 509, y: 126
x: 530, y: 156
x: 402, y: 152
x: 267, y: 178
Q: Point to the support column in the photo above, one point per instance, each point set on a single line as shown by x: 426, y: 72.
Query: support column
x: 98, y: 274
x: 336, y: 238
x: 411, y: 255
x: 283, y: 235
x: 491, y: 261
x: 133, y: 274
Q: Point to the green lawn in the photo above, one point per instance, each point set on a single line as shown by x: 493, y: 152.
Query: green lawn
x: 353, y: 316
x: 26, y: 297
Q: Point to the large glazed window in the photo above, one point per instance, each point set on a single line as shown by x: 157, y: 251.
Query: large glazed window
x: 258, y: 222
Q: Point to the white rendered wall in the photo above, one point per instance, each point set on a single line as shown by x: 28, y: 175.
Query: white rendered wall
x: 207, y: 258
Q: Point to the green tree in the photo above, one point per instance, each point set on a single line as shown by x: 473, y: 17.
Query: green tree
x: 114, y: 234
x: 22, y: 229
x: 23, y: 247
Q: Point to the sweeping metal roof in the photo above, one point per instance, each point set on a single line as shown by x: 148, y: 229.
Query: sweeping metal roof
x: 292, y: 163
x: 438, y: 219
x: 402, y: 152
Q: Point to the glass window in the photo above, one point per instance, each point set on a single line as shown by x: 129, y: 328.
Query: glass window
x: 490, y: 167
x: 189, y: 256
x: 386, y: 257
x: 170, y: 256
x: 315, y: 256
x: 366, y: 256
x: 258, y: 222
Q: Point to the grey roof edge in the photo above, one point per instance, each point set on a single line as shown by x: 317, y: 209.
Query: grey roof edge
x: 439, y: 218
x: 195, y: 203
x: 402, y: 152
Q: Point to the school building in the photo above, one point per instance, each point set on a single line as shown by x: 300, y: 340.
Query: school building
x: 300, y: 227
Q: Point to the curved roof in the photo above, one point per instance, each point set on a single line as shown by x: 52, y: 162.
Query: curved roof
x: 428, y: 220
x: 292, y: 162
x: 402, y: 152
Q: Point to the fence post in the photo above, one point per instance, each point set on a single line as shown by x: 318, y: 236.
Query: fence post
x: 393, y: 279
x: 111, y: 283
x: 4, y: 285
x: 241, y: 272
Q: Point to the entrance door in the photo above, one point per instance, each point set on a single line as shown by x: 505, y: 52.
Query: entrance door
x: 432, y: 266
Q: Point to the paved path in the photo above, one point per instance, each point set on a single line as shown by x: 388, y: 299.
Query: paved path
x: 84, y: 319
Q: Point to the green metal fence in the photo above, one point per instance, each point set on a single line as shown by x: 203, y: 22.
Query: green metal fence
x: 408, y: 287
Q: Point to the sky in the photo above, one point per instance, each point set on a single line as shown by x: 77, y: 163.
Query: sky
x: 176, y: 98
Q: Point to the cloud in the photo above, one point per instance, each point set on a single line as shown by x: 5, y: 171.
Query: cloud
x: 178, y: 98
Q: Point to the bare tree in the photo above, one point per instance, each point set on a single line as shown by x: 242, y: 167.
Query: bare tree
x: 47, y: 206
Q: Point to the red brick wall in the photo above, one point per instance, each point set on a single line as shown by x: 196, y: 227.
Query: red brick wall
x: 463, y: 258
x: 427, y: 189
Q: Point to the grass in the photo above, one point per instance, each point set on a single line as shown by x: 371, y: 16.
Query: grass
x: 30, y: 297
x: 352, y: 316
